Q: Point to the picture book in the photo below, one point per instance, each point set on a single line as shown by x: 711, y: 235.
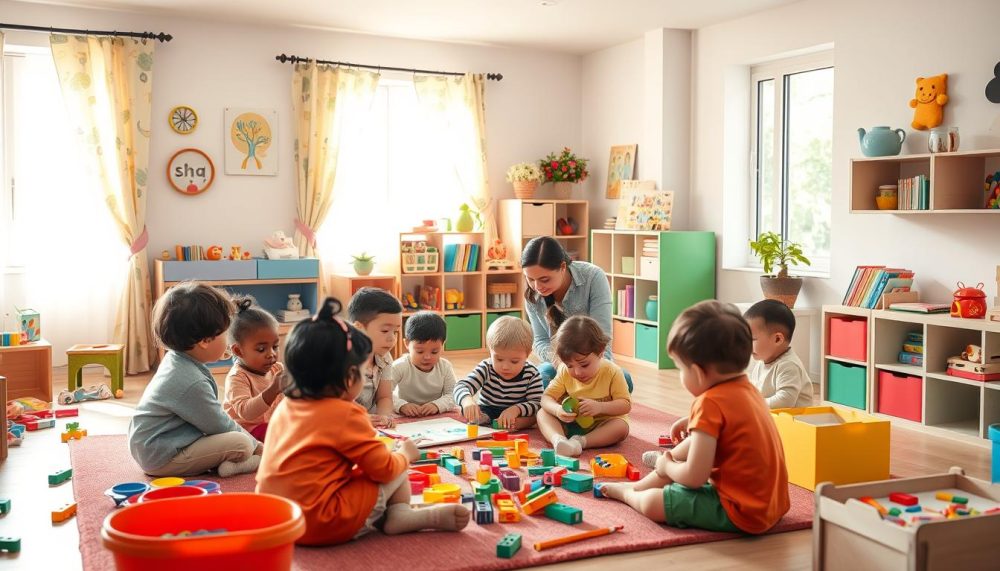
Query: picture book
x: 643, y: 208
x: 921, y: 307
x: 437, y: 431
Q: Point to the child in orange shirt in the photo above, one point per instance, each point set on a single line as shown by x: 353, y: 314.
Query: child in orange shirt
x: 253, y: 385
x: 729, y: 473
x: 322, y: 450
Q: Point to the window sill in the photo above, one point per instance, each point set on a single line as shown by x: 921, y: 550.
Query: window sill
x: 825, y: 275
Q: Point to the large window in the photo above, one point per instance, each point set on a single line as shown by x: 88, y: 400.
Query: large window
x: 792, y: 153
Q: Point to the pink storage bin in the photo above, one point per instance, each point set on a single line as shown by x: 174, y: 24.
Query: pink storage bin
x: 849, y: 338
x: 900, y: 395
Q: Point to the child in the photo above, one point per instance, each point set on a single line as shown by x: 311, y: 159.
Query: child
x: 777, y: 372
x: 509, y: 386
x: 598, y: 384
x: 380, y: 315
x: 423, y: 381
x: 179, y: 428
x: 253, y: 385
x: 729, y: 474
x: 319, y: 433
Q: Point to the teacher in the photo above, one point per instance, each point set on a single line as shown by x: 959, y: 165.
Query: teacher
x: 557, y: 289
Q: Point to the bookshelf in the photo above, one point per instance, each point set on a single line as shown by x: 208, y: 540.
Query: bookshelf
x: 518, y: 221
x: 681, y: 275
x: 921, y: 397
x: 956, y: 180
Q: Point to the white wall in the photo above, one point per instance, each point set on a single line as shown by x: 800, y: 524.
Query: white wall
x: 212, y: 65
x: 879, y: 49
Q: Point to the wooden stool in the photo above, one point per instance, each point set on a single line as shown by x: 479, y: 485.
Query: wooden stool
x: 112, y: 357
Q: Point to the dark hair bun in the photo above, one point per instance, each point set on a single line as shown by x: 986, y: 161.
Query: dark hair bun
x: 243, y: 303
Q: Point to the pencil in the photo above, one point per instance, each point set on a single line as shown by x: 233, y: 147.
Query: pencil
x: 577, y: 537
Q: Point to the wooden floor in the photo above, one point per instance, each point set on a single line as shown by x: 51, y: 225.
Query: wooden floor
x: 23, y: 479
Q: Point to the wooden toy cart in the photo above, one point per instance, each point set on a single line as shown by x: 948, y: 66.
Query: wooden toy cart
x: 852, y: 536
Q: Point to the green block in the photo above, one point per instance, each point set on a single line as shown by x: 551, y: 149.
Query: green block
x: 548, y: 457
x: 578, y: 483
x: 493, y: 486
x: 959, y: 500
x: 537, y: 470
x: 498, y: 452
x: 454, y: 465
x: 509, y: 545
x: 538, y: 492
x: 496, y: 424
x: 4, y: 505
x: 13, y: 544
x: 56, y: 478
x: 570, y: 463
x: 442, y: 457
x: 564, y: 513
x: 894, y: 512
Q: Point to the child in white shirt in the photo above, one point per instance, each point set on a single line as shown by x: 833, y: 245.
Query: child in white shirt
x: 423, y: 381
x: 776, y: 370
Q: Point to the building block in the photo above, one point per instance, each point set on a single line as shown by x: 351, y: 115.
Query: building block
x: 64, y: 412
x: 39, y: 423
x: 894, y: 512
x: 903, y: 499
x: 4, y: 505
x: 442, y: 493
x: 538, y: 504
x: 946, y: 497
x: 483, y: 475
x: 458, y: 452
x: 500, y: 435
x: 425, y: 468
x: 15, y: 428
x: 442, y: 457
x: 548, y: 457
x: 496, y: 424
x: 554, y: 476
x: 56, y: 478
x: 522, y: 494
x: 518, y: 436
x: 521, y: 446
x: 495, y: 444
x: 566, y: 461
x: 665, y: 441
x: 509, y: 545
x: 501, y: 496
x: 73, y: 432
x: 510, y: 480
x: 578, y: 483
x: 12, y: 544
x: 433, y: 479
x: 608, y: 466
x: 425, y: 462
x: 531, y: 462
x: 914, y: 509
x: 483, y: 512
x: 472, y: 430
x: 476, y: 453
x: 538, y: 492
x: 513, y: 460
x: 431, y: 455
x: 536, y: 483
x: 507, y: 512
x: 537, y: 470
x: 454, y: 466
x: 418, y: 481
x: 486, y: 458
x: 64, y: 513
x: 468, y: 498
x: 564, y: 513
x: 598, y: 492
x: 632, y: 473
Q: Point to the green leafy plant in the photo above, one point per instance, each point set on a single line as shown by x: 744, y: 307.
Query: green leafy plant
x: 363, y: 257
x: 773, y: 251
x: 564, y: 167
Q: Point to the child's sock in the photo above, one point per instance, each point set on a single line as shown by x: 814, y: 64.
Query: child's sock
x: 228, y: 468
x: 650, y: 457
x: 581, y: 439
x: 402, y: 518
x: 567, y: 447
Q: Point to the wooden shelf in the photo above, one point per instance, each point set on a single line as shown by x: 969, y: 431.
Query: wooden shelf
x: 900, y: 368
x: 848, y: 361
x: 949, y: 378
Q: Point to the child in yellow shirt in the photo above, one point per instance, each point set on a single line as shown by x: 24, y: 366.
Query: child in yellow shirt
x: 598, y: 386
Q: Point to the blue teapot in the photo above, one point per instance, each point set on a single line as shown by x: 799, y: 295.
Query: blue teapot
x: 881, y: 141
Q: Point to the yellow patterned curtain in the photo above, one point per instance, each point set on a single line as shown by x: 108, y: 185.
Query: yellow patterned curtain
x: 456, y: 105
x: 107, y: 86
x: 323, y: 98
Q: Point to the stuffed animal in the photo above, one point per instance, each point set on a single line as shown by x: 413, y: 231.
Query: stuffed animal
x: 930, y: 99
x: 973, y: 353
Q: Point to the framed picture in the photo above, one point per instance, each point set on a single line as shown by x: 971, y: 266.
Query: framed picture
x: 190, y: 171
x: 642, y: 207
x: 250, y: 135
x: 621, y: 166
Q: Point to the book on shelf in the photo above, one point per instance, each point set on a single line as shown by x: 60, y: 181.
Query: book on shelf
x: 870, y: 283
x: 630, y: 300
x: 907, y: 358
x: 914, y: 193
x: 920, y: 307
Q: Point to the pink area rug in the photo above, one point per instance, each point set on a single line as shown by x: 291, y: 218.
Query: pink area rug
x: 102, y: 461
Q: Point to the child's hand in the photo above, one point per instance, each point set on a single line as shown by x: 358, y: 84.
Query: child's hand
x: 428, y: 409
x: 679, y: 430
x: 381, y: 421
x: 274, y: 389
x: 259, y: 450
x: 566, y: 417
x: 590, y: 407
x: 508, y: 417
x: 471, y: 412
x: 409, y: 449
x: 410, y: 409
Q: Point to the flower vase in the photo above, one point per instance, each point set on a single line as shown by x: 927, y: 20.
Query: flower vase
x: 525, y: 189
x: 562, y: 190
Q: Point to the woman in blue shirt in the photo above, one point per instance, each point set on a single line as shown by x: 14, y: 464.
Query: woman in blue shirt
x: 558, y: 288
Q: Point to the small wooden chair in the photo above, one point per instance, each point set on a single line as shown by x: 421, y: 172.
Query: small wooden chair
x: 111, y: 356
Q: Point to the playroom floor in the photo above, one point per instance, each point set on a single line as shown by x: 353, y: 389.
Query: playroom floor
x: 23, y: 478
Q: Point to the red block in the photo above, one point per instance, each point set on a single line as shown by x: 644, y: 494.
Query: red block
x: 523, y: 437
x: 665, y: 441
x: 522, y: 496
x: 554, y: 476
x: 631, y: 472
x: 425, y: 468
x: 903, y: 499
x: 64, y: 412
x: 501, y: 496
x: 500, y: 435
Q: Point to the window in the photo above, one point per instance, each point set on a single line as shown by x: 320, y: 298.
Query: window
x: 792, y: 153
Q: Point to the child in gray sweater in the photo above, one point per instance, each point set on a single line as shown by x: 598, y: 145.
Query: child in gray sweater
x: 179, y: 427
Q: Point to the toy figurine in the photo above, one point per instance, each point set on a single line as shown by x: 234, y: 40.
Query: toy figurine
x: 165, y: 255
x: 496, y: 257
x: 454, y: 299
x: 214, y: 253
x: 929, y: 100
x: 280, y: 247
x: 247, y: 255
x: 235, y: 253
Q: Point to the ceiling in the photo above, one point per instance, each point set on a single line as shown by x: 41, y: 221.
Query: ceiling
x: 573, y: 26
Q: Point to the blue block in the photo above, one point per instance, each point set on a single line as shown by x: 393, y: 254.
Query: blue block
x: 598, y: 491
x: 468, y: 499
x: 483, y: 512
x: 476, y: 454
x: 915, y: 509
x: 536, y: 484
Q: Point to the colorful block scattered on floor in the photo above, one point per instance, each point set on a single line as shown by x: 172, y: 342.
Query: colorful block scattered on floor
x: 483, y: 512
x: 571, y: 463
x: 564, y: 513
x: 509, y: 545
x: 578, y: 483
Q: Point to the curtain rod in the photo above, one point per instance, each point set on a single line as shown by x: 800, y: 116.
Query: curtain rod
x: 296, y: 59
x: 144, y: 35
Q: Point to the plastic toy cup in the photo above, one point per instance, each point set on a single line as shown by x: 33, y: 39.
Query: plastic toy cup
x: 166, y: 482
x: 171, y: 492
x: 261, y: 530
x: 207, y: 485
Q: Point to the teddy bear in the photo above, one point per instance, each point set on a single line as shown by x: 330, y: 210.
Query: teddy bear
x: 930, y: 99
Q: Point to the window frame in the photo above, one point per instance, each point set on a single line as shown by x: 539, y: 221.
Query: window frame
x: 780, y: 71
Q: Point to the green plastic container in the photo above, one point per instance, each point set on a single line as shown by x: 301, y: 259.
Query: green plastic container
x: 846, y: 384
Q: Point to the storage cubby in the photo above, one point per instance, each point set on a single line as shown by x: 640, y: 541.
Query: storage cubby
x: 943, y: 342
x: 991, y: 345
x: 413, y: 284
x: 847, y: 337
x: 888, y: 336
x: 846, y: 384
x: 518, y: 221
x: 511, y: 283
x: 461, y: 252
x: 959, y: 179
x: 868, y: 174
x: 624, y: 260
x: 465, y: 332
x: 601, y: 251
x: 472, y: 289
x: 644, y: 289
x: 619, y: 306
x: 952, y: 406
x: 900, y: 395
x: 622, y: 337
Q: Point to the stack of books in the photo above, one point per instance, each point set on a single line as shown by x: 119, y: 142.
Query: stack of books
x: 913, y: 350
x: 871, y: 282
x: 626, y: 302
x: 461, y: 257
x: 651, y: 248
x: 609, y: 224
x: 190, y: 253
x: 914, y: 193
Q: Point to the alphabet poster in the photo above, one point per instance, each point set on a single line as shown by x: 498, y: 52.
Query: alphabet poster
x: 250, y: 136
x: 642, y: 207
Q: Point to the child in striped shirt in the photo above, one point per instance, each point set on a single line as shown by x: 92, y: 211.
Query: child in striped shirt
x: 509, y: 387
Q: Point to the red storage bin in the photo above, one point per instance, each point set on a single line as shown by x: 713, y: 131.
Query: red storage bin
x: 849, y: 338
x: 900, y: 395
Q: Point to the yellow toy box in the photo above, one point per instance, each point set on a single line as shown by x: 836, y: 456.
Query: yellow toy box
x: 831, y: 444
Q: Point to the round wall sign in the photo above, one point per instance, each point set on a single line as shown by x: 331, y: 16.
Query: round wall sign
x: 183, y: 119
x: 190, y: 171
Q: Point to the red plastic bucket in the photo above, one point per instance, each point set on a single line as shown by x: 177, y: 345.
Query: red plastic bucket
x: 261, y: 530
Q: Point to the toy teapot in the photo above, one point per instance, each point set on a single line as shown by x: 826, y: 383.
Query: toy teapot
x: 881, y: 141
x: 969, y: 302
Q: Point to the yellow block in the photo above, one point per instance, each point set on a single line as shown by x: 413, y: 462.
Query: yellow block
x: 513, y: 460
x: 832, y: 444
x: 496, y: 443
x: 483, y: 475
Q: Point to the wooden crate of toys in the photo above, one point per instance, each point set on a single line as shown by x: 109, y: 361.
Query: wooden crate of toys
x: 939, y: 522
x: 419, y: 258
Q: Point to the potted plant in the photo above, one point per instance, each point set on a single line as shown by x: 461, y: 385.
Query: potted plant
x: 562, y: 170
x: 363, y: 264
x: 774, y: 251
x: 525, y: 178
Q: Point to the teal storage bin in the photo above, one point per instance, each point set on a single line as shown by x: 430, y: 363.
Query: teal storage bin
x: 210, y: 270
x: 304, y: 268
x: 491, y: 317
x: 846, y: 384
x: 646, y: 346
x: 464, y: 332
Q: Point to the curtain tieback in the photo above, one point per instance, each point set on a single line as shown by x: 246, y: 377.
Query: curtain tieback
x: 307, y: 232
x: 139, y: 244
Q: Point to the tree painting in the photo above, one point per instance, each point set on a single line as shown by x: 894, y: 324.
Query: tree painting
x: 251, y: 136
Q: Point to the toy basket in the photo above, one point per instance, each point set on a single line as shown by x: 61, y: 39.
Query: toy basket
x: 420, y: 263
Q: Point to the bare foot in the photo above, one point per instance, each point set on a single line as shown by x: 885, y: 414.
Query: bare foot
x: 616, y: 491
x: 401, y: 518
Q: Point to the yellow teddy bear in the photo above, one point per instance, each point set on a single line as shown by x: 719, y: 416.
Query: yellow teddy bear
x: 931, y: 96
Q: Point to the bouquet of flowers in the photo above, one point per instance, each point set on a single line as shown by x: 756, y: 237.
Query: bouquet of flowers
x: 564, y: 167
x: 524, y: 172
